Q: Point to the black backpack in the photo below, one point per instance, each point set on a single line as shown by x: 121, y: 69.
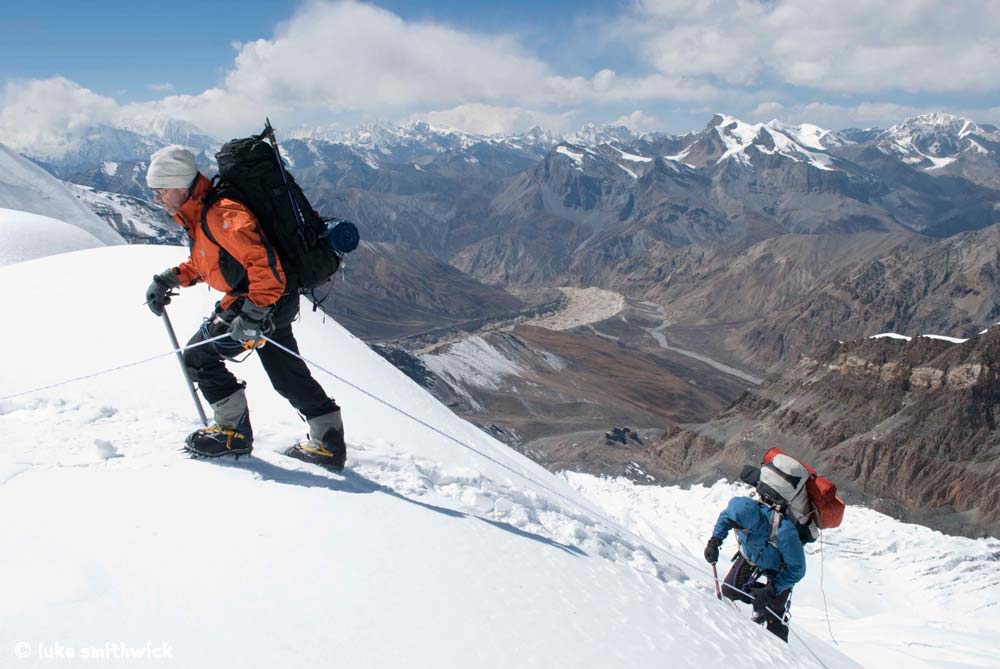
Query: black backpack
x: 310, y: 247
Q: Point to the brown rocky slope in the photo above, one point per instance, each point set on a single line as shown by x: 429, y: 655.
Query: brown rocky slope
x: 386, y: 291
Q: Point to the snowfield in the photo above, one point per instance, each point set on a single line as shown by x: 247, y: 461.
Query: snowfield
x: 25, y: 236
x: 472, y: 362
x: 899, y: 595
x: 427, y: 552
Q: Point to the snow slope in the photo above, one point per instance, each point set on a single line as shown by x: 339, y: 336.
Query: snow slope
x: 26, y: 187
x: 899, y: 595
x: 25, y: 236
x: 426, y: 553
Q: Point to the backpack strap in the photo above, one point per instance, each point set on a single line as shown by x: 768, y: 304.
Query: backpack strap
x: 220, y: 189
x: 776, y: 516
x: 213, y: 195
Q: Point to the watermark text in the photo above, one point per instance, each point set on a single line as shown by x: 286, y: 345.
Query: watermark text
x: 110, y: 650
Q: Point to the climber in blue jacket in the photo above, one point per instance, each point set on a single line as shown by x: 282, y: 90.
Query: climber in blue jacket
x: 778, y: 555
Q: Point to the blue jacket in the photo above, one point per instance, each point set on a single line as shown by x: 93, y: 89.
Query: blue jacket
x: 752, y: 522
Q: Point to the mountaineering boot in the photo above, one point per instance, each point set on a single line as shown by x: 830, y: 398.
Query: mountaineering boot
x: 230, y: 435
x: 326, y: 445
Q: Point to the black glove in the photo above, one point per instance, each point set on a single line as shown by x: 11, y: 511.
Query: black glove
x: 762, y: 596
x: 712, y: 550
x: 249, y: 324
x: 157, y: 295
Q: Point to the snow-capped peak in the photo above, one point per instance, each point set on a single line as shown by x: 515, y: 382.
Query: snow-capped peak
x: 417, y: 142
x: 933, y: 123
x: 801, y: 143
x: 387, y: 139
x: 574, y: 152
x: 171, y: 131
x: 933, y: 141
x: 808, y: 135
x: 593, y: 134
x: 536, y: 136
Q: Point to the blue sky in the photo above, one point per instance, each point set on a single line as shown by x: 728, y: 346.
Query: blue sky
x: 112, y: 46
x: 652, y: 64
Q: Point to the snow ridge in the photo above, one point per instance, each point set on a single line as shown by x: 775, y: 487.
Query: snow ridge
x: 420, y: 539
x: 26, y: 187
x: 25, y: 236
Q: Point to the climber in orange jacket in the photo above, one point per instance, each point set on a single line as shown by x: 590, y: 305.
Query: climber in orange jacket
x: 230, y: 254
x: 240, y: 263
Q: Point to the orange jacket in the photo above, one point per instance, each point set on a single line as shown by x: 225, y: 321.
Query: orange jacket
x: 241, y: 263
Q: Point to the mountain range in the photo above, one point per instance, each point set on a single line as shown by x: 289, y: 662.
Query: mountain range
x: 608, y: 206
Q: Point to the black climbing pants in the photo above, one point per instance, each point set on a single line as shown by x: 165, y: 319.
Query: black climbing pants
x: 742, y: 576
x: 289, y: 375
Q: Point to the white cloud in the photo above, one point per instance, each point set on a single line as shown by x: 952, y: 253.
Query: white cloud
x: 855, y: 46
x: 866, y: 114
x: 50, y: 114
x: 347, y: 57
x: 352, y: 56
x: 639, y: 121
x: 766, y: 111
x: 490, y: 120
x: 216, y: 111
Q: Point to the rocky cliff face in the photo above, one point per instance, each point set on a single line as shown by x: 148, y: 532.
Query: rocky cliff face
x: 909, y: 427
x: 950, y: 287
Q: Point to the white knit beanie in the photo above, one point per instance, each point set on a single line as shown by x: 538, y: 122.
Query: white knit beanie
x: 171, y: 167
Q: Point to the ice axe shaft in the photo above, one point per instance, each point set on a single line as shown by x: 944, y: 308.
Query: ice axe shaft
x: 715, y: 573
x: 184, y: 371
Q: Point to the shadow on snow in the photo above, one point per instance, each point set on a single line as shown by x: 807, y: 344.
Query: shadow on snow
x: 352, y: 482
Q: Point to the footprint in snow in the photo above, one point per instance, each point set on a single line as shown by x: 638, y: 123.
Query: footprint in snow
x: 106, y: 450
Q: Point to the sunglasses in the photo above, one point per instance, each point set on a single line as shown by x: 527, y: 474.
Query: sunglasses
x: 158, y: 192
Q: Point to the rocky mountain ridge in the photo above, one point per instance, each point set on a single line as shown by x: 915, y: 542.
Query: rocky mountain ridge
x: 905, y: 426
x: 654, y: 215
x: 733, y: 182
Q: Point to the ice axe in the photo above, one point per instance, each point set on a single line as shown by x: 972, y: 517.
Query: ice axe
x: 715, y: 573
x: 184, y: 371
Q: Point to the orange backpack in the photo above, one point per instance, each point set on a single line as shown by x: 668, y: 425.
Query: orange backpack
x: 829, y: 509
